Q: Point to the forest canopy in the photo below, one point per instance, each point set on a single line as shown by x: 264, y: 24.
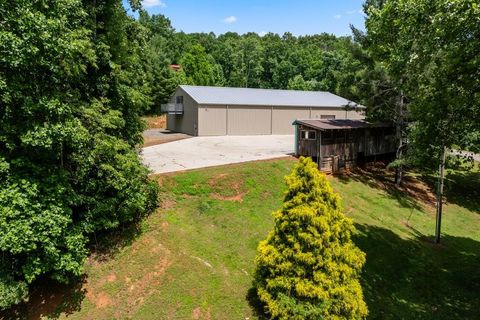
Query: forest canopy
x: 72, y: 88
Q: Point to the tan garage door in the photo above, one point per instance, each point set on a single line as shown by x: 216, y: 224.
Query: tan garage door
x: 249, y: 120
x: 282, y: 119
x: 212, y: 120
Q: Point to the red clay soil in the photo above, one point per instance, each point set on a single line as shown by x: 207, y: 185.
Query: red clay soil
x: 225, y: 182
x: 156, y: 122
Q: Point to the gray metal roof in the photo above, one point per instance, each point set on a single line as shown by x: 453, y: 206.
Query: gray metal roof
x: 264, y: 97
x: 340, y: 124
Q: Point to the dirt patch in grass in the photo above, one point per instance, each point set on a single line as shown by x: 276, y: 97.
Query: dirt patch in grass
x: 238, y: 197
x: 167, y: 204
x: 112, y: 277
x: 198, y: 314
x: 227, y: 187
x: 100, y: 300
x: 137, y: 291
x: 156, y: 122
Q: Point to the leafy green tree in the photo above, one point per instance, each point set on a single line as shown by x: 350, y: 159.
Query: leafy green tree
x: 71, y: 91
x: 430, y: 47
x: 161, y: 78
x: 298, y: 83
x: 308, y: 267
x: 200, y: 67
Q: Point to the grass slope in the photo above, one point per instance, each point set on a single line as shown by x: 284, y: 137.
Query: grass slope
x: 193, y: 258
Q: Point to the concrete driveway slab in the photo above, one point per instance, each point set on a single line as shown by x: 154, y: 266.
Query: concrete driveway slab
x: 201, y: 152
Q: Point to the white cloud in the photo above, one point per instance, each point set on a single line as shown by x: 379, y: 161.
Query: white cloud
x: 360, y: 11
x: 337, y: 16
x: 153, y: 3
x: 231, y: 19
x: 262, y: 33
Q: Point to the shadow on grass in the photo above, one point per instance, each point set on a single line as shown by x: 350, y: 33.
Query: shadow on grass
x: 415, y: 279
x: 377, y: 176
x: 106, y: 245
x: 463, y: 189
x: 50, y: 299
x: 255, y: 304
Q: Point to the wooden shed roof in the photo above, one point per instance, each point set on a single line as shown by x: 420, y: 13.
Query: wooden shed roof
x: 341, y: 124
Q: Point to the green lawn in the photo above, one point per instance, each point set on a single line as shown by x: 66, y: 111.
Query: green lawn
x: 193, y: 258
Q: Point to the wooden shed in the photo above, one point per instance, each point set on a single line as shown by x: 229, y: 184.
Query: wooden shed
x: 342, y: 144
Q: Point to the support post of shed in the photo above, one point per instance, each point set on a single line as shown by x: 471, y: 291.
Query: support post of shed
x: 296, y: 140
x: 438, y: 226
x: 319, y: 158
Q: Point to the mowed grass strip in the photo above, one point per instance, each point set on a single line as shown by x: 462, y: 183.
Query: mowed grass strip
x: 193, y: 258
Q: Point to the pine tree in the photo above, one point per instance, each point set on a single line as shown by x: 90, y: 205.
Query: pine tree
x: 308, y: 267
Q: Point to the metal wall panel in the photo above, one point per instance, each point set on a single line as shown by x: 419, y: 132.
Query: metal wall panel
x: 356, y: 115
x: 249, y: 120
x: 318, y: 113
x: 283, y: 117
x: 186, y: 122
x: 339, y: 114
x: 212, y: 120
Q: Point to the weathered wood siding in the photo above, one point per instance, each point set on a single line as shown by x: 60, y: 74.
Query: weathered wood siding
x: 307, y: 147
x: 338, y: 149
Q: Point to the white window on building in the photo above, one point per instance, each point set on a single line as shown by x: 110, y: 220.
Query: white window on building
x: 179, y: 100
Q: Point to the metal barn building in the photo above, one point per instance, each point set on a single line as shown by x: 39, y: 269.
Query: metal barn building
x: 214, y: 111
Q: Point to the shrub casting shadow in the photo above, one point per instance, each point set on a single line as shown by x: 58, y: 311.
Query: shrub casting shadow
x: 415, y: 279
x: 106, y: 245
x: 255, y: 304
x: 51, y: 299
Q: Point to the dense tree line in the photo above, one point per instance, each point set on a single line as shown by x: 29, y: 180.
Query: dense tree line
x: 423, y: 79
x: 317, y: 62
x: 72, y: 87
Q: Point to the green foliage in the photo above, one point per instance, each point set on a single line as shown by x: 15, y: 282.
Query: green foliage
x: 298, y: 83
x: 318, y: 62
x: 308, y: 267
x: 71, y: 90
x: 430, y: 50
x: 200, y: 67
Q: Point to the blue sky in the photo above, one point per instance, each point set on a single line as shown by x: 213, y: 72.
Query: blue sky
x: 299, y: 17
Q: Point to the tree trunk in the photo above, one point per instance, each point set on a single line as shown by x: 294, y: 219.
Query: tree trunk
x: 441, y: 179
x: 399, y: 135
